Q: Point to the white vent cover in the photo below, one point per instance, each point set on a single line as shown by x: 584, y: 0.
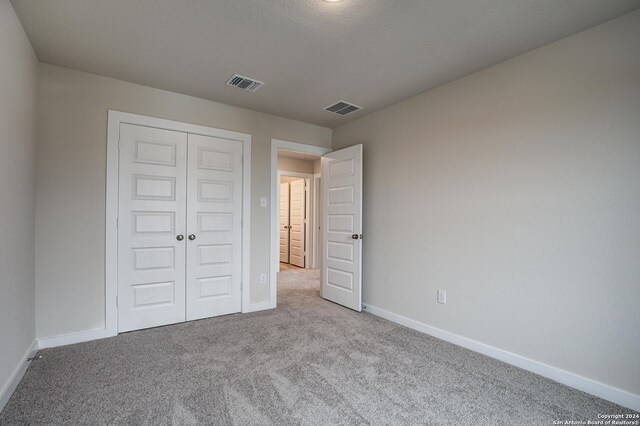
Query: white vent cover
x: 244, y: 83
x: 342, y: 108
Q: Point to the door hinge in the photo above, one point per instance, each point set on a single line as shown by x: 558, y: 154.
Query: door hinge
x: 242, y: 223
x: 116, y: 301
x: 117, y: 222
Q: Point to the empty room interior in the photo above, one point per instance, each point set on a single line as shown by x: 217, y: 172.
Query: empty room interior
x: 314, y: 212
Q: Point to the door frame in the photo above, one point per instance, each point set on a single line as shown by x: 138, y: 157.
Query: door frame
x: 115, y: 119
x: 309, y: 206
x: 278, y: 145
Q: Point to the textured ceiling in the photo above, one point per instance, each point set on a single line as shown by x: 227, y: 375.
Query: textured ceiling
x: 310, y: 53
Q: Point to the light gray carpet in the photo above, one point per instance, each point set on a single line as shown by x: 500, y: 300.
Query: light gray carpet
x: 307, y: 362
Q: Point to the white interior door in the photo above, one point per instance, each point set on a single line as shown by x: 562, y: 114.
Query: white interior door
x: 214, y: 219
x: 297, y: 213
x: 342, y: 227
x: 151, y: 227
x: 284, y: 222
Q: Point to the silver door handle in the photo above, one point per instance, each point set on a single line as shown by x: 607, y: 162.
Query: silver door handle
x: 192, y: 237
x: 180, y: 237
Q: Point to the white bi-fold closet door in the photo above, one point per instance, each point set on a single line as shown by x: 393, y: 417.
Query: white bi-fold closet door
x: 179, y: 227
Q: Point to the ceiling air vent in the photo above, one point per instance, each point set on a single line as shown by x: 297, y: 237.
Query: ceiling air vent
x: 342, y: 108
x: 244, y: 83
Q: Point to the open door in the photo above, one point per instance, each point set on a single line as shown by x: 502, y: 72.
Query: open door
x: 297, y: 224
x: 284, y: 222
x: 342, y: 227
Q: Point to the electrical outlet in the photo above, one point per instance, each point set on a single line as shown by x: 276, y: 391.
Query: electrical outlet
x: 442, y: 296
x: 263, y: 202
x: 263, y: 278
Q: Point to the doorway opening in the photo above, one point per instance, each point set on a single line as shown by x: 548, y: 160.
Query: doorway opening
x: 333, y: 242
x: 298, y: 201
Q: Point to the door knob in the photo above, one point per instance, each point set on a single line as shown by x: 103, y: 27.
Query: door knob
x: 285, y: 227
x: 192, y: 237
x: 180, y: 237
x: 355, y: 236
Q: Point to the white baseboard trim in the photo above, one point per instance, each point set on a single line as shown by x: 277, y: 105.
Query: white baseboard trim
x: 14, y: 380
x: 619, y: 396
x: 69, y: 339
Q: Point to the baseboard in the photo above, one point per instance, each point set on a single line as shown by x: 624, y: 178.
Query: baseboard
x: 69, y: 339
x: 601, y: 390
x: 15, y: 378
x: 262, y: 306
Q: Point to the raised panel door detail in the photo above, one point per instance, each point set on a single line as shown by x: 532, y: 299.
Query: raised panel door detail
x: 340, y: 251
x: 297, y: 213
x: 154, y: 188
x: 341, y: 279
x: 215, y: 254
x: 215, y: 191
x: 284, y: 222
x: 153, y: 223
x: 342, y: 168
x: 215, y: 222
x: 153, y: 258
x: 214, y: 213
x: 215, y: 160
x: 153, y: 294
x: 340, y: 223
x: 147, y: 152
x: 215, y: 286
x: 341, y: 195
x: 152, y: 198
x: 342, y: 217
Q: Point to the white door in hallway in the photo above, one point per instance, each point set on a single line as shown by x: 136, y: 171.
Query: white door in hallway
x: 284, y: 222
x: 342, y: 227
x: 214, y: 227
x: 151, y: 227
x: 297, y: 213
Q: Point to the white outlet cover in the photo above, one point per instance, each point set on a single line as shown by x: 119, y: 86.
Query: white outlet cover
x: 263, y: 278
x: 442, y: 296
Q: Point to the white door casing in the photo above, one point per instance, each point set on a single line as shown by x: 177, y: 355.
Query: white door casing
x: 297, y: 216
x: 342, y: 227
x: 214, y: 222
x: 284, y: 222
x: 152, y: 214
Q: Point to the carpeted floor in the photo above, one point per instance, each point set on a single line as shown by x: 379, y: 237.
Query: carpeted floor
x: 307, y: 362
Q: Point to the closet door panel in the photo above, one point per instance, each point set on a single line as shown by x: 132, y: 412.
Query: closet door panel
x: 214, y: 223
x: 151, y: 220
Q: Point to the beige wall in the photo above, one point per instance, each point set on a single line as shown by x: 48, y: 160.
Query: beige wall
x: 295, y: 165
x: 18, y: 83
x: 516, y: 189
x: 71, y: 184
